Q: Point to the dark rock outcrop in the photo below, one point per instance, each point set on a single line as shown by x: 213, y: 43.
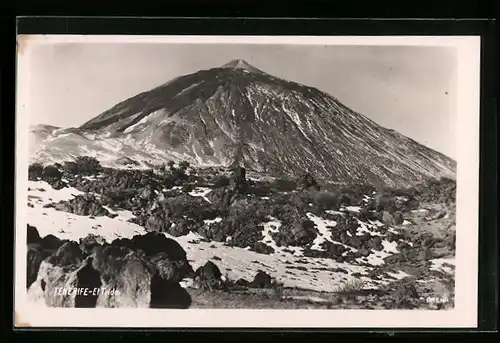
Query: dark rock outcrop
x: 209, y: 276
x: 261, y: 280
x: 83, y: 205
x: 140, y: 272
x: 307, y: 181
x: 32, y: 235
x: 263, y: 248
x: 238, y: 182
x: 35, y: 255
x: 299, y: 233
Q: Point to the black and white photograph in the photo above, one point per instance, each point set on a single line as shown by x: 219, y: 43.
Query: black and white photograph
x: 324, y: 181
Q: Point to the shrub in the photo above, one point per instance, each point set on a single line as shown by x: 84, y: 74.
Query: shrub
x: 220, y: 181
x: 118, y: 197
x: 283, y: 185
x: 35, y: 171
x: 83, y: 165
x: 326, y: 200
x: 51, y: 173
x: 184, y: 165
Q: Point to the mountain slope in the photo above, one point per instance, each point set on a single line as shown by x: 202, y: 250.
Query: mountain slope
x: 238, y: 114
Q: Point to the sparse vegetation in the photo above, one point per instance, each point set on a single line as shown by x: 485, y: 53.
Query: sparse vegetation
x: 217, y: 206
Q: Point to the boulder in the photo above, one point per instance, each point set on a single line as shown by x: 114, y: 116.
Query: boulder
x: 237, y: 181
x: 334, y: 250
x: 209, y: 276
x: 51, y: 242
x: 405, y: 291
x: 129, y: 274
x: 387, y: 218
x: 261, y: 280
x: 56, y: 273
x: 298, y: 233
x: 263, y: 248
x: 140, y: 272
x: 88, y: 243
x: 32, y: 235
x: 376, y: 243
x: 35, y: 255
x: 355, y: 242
x: 209, y: 271
x: 158, y: 248
x: 83, y: 205
x: 398, y: 218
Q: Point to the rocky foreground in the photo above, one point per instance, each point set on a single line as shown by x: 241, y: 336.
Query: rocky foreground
x: 178, y: 237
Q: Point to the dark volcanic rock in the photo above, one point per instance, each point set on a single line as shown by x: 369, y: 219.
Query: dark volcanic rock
x: 238, y: 182
x: 398, y: 218
x: 261, y: 280
x: 141, y: 272
x: 223, y: 197
x: 209, y: 271
x: 32, y: 235
x: 263, y: 248
x: 83, y: 205
x: 51, y: 242
x: 386, y: 218
x: 299, y: 233
x: 88, y: 243
x: 68, y: 254
x: 376, y: 243
x: 165, y: 251
x: 128, y: 272
x: 35, y: 255
x: 167, y: 294
x: 209, y: 276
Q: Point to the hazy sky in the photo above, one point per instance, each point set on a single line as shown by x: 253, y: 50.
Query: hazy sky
x: 409, y: 89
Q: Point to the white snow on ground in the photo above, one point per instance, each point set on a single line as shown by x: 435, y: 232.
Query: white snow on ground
x: 242, y: 263
x: 211, y: 221
x: 365, y: 228
x: 43, y: 191
x: 314, y: 273
x: 354, y: 209
x: 422, y: 210
x: 324, y: 232
x: 443, y: 265
x: 67, y: 225
x: 123, y: 215
x: 390, y: 247
x: 270, y: 227
x: 201, y: 192
x: 399, y: 274
x: 334, y: 212
x: 376, y: 258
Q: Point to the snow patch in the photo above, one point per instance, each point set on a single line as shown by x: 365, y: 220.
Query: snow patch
x: 324, y: 232
x: 211, y: 221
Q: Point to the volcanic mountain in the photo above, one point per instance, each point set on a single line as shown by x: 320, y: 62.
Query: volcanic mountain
x: 237, y: 114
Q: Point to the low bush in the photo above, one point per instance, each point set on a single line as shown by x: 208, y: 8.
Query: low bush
x: 35, y: 171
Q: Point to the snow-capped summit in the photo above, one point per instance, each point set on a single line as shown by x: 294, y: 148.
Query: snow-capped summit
x: 241, y: 64
x: 223, y: 116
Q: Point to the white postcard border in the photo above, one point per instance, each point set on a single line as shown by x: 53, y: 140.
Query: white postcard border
x: 463, y: 315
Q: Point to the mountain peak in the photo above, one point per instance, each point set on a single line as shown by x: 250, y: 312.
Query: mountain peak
x: 241, y: 64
